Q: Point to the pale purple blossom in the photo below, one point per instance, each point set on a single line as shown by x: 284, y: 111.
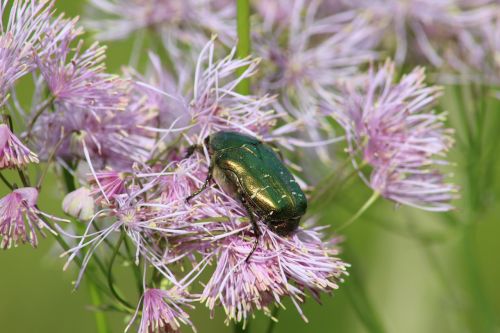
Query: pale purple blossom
x: 475, y: 57
x: 147, y: 204
x: 174, y: 23
x: 90, y: 107
x: 162, y: 311
x: 280, y: 267
x: 391, y: 126
x: 306, y: 57
x: 425, y: 27
x: 210, y: 103
x: 107, y: 184
x: 13, y: 153
x: 20, y: 218
x: 22, y: 26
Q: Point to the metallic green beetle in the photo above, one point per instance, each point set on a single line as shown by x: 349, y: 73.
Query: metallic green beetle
x: 250, y: 170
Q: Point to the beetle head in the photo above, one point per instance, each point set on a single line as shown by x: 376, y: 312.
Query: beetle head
x: 284, y: 228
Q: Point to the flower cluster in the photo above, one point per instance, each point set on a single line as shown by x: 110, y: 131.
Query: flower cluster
x: 20, y: 218
x: 13, y: 153
x: 175, y: 23
x: 148, y: 206
x: 89, y: 106
x: 137, y: 144
x: 424, y: 26
x: 306, y: 58
x: 389, y: 125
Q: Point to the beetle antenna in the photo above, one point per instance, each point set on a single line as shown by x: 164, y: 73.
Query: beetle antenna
x: 205, y: 183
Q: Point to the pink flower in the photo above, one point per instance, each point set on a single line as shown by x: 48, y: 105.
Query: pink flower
x: 176, y: 22
x: 90, y: 107
x: 19, y: 218
x: 20, y: 32
x: 105, y: 185
x: 162, y: 312
x: 307, y: 56
x: 280, y: 266
x: 390, y: 125
x: 13, y: 154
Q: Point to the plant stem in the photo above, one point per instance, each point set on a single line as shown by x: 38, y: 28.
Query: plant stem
x: 6, y: 182
x: 69, y: 182
x: 135, y: 268
x: 360, y: 300
x: 272, y: 320
x: 360, y: 212
x: 95, y: 295
x: 482, y: 308
x: 239, y: 328
x: 100, y: 317
x: 111, y: 285
x: 243, y: 49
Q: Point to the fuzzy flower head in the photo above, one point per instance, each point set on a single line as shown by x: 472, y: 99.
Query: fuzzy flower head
x: 305, y: 57
x: 211, y: 103
x: 280, y: 267
x: 475, y: 57
x: 174, y: 22
x: 90, y: 107
x: 423, y: 26
x: 391, y: 126
x: 19, y: 218
x: 13, y: 154
x: 306, y: 50
x: 22, y: 25
x: 162, y: 312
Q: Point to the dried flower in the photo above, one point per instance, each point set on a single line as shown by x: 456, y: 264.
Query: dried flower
x: 391, y: 126
x: 13, y: 154
x: 19, y: 218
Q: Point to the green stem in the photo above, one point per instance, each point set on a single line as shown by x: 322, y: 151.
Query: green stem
x: 24, y: 179
x: 111, y: 285
x: 135, y: 268
x: 6, y: 182
x: 243, y: 49
x: 360, y: 300
x: 38, y: 113
x: 360, y: 212
x: 95, y: 295
x: 100, y: 317
x: 69, y: 181
x: 483, y: 312
x: 239, y: 328
x: 273, y: 319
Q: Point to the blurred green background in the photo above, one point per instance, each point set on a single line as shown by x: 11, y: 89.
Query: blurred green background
x: 411, y: 271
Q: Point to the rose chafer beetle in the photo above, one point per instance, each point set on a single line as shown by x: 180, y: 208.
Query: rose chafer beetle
x: 252, y: 171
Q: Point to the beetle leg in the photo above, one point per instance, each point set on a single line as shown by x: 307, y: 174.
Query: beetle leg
x: 191, y: 150
x: 205, y: 184
x: 255, y: 226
